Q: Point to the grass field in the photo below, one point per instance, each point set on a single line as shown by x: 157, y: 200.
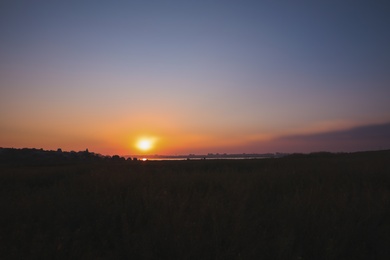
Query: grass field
x: 319, y: 206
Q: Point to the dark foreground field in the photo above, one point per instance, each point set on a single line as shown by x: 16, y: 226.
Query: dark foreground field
x: 299, y: 207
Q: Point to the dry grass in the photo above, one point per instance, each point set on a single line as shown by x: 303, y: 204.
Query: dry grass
x: 301, y: 207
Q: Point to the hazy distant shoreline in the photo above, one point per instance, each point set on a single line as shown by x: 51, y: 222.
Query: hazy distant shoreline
x: 209, y: 156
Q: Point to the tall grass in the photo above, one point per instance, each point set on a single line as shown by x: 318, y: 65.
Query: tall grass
x: 300, y: 207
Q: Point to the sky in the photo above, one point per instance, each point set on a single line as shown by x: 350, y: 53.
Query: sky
x: 195, y: 76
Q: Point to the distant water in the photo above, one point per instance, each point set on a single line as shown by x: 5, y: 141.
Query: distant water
x: 198, y: 159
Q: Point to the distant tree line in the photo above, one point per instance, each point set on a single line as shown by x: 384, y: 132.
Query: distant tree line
x: 32, y: 156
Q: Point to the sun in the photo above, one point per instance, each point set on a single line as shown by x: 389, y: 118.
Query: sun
x: 144, y: 144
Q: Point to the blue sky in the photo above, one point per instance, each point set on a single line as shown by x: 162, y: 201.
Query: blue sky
x: 200, y: 75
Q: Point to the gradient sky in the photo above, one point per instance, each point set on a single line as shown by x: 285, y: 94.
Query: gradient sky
x: 197, y: 76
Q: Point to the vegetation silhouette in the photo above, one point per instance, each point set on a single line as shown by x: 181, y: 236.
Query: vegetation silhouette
x: 27, y: 156
x: 303, y: 206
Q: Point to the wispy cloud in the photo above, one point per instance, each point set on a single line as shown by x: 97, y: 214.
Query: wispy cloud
x: 368, y: 137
